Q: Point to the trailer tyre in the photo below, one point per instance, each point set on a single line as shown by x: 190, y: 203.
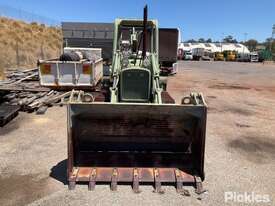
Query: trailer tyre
x: 70, y: 56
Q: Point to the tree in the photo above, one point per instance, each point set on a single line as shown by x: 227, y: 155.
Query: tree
x: 191, y: 41
x: 251, y: 44
x: 230, y: 39
x: 201, y: 40
x: 209, y: 40
x: 269, y: 42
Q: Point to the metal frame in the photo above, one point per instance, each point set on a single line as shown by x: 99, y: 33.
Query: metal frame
x: 116, y: 68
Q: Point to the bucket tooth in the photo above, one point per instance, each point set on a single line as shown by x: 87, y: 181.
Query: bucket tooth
x: 198, y: 184
x: 92, y: 179
x: 72, y: 179
x: 158, y: 188
x: 179, y: 181
x: 136, y: 181
x: 72, y: 185
x: 114, y: 179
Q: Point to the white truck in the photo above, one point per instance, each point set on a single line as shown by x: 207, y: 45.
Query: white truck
x: 188, y: 55
x: 254, y: 57
x: 86, y: 71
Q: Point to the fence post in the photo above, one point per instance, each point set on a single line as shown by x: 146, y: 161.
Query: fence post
x: 42, y: 53
x: 17, y: 54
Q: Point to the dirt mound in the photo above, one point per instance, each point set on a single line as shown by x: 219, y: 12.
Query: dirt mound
x: 22, y: 44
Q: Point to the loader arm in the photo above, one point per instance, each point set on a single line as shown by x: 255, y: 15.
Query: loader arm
x: 156, y: 86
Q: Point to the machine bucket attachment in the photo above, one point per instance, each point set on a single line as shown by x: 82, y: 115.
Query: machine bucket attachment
x: 135, y: 143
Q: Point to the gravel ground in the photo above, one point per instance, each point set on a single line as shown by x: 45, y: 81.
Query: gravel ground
x: 240, y: 145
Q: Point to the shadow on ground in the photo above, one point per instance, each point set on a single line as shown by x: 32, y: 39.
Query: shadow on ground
x: 257, y: 149
x: 10, y: 126
x: 59, y: 172
x: 24, y: 189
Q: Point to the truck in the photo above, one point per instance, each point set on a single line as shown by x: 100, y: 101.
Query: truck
x: 243, y: 57
x: 188, y: 55
x: 254, y: 57
x: 168, y: 46
x: 230, y: 55
x: 185, y: 55
x: 218, y: 56
x: 77, y: 68
x: 138, y: 134
x: 202, y: 54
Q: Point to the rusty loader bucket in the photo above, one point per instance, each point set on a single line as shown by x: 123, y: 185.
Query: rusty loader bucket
x: 136, y: 143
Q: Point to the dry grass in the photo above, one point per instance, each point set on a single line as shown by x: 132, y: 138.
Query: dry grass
x: 1, y: 73
x: 22, y: 44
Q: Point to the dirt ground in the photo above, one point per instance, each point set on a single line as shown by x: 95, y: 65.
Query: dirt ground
x: 240, y: 145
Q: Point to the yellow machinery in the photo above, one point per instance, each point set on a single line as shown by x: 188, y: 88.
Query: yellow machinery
x: 230, y: 55
x: 218, y: 56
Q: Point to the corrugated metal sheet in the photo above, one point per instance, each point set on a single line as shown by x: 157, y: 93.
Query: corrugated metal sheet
x: 87, y: 30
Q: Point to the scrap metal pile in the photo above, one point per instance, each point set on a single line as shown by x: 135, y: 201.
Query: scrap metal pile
x: 21, y: 91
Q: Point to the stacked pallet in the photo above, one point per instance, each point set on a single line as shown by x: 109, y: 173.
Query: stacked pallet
x: 21, y: 91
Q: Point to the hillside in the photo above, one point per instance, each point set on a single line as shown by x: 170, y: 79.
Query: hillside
x: 22, y: 44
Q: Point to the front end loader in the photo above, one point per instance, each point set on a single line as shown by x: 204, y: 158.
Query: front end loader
x: 138, y: 134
